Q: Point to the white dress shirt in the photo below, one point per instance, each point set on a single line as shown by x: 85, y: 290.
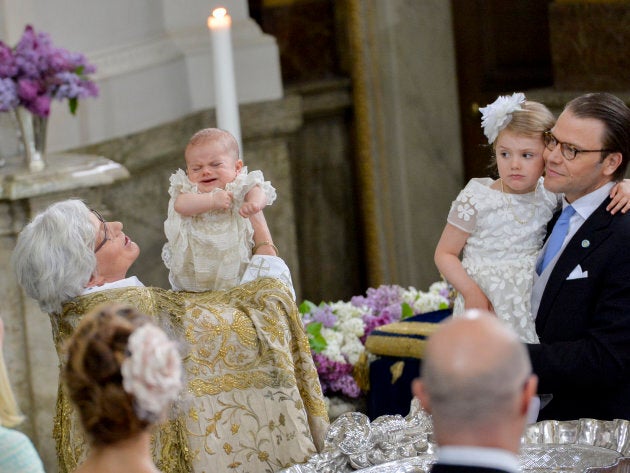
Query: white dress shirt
x: 127, y: 282
x: 496, y: 458
x: 259, y: 266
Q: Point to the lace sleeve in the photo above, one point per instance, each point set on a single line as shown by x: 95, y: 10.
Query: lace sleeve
x: 463, y: 213
x: 179, y: 183
x: 245, y: 181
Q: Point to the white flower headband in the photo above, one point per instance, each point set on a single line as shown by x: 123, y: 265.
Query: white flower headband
x: 152, y: 372
x: 496, y: 116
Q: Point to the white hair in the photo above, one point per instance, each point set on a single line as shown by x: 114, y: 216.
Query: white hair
x: 480, y: 397
x: 54, y: 255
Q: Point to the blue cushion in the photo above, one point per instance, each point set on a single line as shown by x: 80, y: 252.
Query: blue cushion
x: 405, y: 339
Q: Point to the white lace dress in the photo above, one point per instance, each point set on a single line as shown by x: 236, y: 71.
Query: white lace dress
x: 506, y: 234
x: 210, y: 251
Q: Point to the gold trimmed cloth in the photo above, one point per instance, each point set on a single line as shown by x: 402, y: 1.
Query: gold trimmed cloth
x: 405, y: 339
x: 253, y: 401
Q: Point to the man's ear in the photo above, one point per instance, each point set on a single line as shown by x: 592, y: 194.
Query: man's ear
x: 612, y: 162
x: 528, y: 392
x: 418, y: 389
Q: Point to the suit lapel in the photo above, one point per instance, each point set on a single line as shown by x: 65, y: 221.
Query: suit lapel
x: 586, y: 240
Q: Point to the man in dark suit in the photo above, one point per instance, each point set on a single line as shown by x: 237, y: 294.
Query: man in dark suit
x: 581, y: 295
x: 477, y: 384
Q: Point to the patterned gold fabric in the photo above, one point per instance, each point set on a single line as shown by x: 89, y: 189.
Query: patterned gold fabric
x: 253, y: 401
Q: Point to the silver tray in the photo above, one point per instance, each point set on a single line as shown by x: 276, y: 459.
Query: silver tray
x: 355, y: 444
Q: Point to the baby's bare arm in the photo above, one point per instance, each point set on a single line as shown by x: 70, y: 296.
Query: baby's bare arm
x: 195, y: 204
x: 255, y: 201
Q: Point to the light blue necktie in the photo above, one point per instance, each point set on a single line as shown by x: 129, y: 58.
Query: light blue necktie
x: 557, y: 237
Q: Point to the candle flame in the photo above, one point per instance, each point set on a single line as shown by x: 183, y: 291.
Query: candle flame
x: 219, y: 12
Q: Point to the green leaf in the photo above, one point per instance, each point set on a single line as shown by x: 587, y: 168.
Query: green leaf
x: 407, y: 311
x: 73, y: 103
x: 307, y: 307
x: 315, y: 338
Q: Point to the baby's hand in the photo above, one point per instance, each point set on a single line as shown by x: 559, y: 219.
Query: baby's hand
x: 221, y: 199
x: 250, y: 208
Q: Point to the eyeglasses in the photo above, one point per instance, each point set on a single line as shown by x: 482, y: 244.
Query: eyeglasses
x: 105, y: 238
x: 569, y: 152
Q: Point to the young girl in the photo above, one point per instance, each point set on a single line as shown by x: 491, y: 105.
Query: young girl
x: 210, y: 236
x: 500, y: 224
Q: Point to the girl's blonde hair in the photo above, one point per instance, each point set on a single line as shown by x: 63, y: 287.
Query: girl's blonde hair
x: 534, y: 119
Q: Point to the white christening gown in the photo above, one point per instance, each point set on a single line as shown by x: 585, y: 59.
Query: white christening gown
x: 210, y: 251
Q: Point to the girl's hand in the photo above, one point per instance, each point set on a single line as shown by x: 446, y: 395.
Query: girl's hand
x: 221, y: 200
x: 620, y: 195
x: 250, y: 208
x: 478, y: 300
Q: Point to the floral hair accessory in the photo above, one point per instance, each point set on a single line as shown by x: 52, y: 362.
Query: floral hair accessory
x: 152, y: 372
x: 496, y: 116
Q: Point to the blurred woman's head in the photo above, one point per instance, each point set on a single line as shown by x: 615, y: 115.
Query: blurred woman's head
x: 122, y: 372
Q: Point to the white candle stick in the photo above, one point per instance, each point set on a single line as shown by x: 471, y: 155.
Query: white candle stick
x: 226, y: 100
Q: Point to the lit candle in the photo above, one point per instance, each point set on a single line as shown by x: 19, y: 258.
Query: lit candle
x: 226, y: 101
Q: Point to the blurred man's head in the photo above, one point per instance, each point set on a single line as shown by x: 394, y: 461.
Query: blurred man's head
x: 476, y: 382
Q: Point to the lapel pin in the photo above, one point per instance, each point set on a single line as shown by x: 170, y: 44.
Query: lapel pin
x: 586, y: 243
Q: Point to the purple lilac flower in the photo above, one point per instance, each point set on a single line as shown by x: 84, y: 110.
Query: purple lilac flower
x: 32, y: 53
x: 43, y: 72
x: 388, y: 315
x: 346, y: 385
x: 77, y: 61
x: 324, y: 315
x: 8, y: 95
x: 378, y: 299
x: 40, y: 106
x: 385, y: 307
x: 28, y: 89
x: 8, y: 67
x: 335, y: 376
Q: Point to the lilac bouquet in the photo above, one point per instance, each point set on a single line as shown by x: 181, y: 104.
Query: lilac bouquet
x: 35, y: 72
x: 337, y: 331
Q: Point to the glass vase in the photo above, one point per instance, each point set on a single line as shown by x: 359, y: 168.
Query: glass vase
x: 32, y: 138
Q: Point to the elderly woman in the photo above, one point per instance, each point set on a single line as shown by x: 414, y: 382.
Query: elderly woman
x: 253, y: 403
x: 69, y: 250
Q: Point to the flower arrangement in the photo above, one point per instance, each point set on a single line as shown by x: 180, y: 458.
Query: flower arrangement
x: 35, y: 72
x: 337, y: 331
